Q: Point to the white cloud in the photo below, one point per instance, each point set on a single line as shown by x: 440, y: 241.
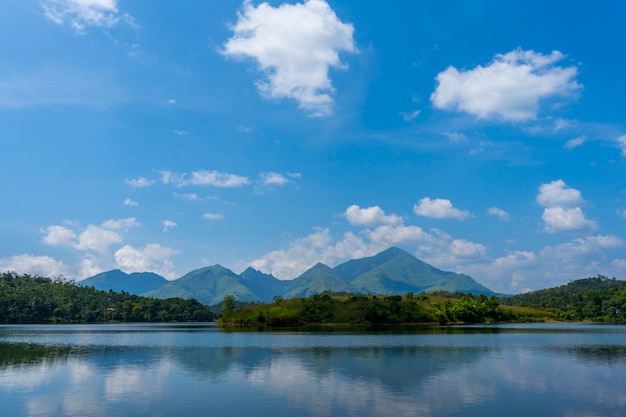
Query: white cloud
x: 370, y: 216
x: 558, y: 219
x: 168, y: 224
x: 294, y: 174
x: 181, y: 132
x: 97, y: 239
x: 59, y: 236
x: 189, y: 197
x: 517, y: 271
x: 303, y: 253
x: 439, y: 208
x: 383, y: 237
x: 124, y: 224
x: 80, y: 14
x: 575, y: 143
x: 622, y: 213
x: 562, y: 212
x: 139, y: 182
x: 558, y: 194
x: 294, y: 45
x: 498, y: 212
x: 410, y: 116
x: 213, y: 216
x: 438, y: 248
x: 153, y: 257
x: 568, y: 257
x: 462, y: 248
x: 509, y: 88
x: 204, y: 177
x: 621, y: 141
x: 131, y: 203
x: 273, y: 178
x: 457, y: 137
x: 44, y: 266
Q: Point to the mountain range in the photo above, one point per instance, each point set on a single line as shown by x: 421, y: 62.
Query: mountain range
x: 392, y: 271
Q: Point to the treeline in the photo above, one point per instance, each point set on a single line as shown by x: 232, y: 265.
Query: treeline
x: 370, y: 309
x: 34, y: 299
x: 599, y: 298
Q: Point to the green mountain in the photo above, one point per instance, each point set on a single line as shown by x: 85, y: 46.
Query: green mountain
x: 266, y: 286
x: 317, y: 279
x: 395, y: 271
x: 208, y: 285
x: 116, y: 280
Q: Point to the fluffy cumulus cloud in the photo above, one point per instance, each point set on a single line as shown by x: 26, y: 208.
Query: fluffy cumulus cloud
x: 124, y: 224
x: 153, y: 257
x: 204, y: 177
x: 561, y: 208
x: 93, y: 238
x: 45, y: 266
x: 131, y: 203
x: 97, y: 248
x: 439, y: 208
x: 294, y: 45
x: 370, y: 216
x: 80, y: 14
x: 509, y: 88
x: 273, y: 178
x: 379, y: 232
x: 514, y: 272
x: 59, y: 236
x: 557, y: 193
x: 305, y: 252
x: 498, y: 212
x: 559, y: 219
x: 168, y: 224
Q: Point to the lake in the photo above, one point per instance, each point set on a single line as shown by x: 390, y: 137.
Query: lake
x: 567, y: 370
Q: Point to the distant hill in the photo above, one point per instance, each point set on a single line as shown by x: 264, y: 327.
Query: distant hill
x: 392, y: 272
x: 587, y: 298
x: 395, y: 271
x: 208, y: 285
x: 116, y: 280
x: 265, y: 286
x: 317, y: 279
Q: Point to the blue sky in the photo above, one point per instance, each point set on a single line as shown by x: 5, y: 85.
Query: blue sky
x: 484, y: 137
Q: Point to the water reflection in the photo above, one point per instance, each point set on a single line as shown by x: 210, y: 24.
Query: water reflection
x: 476, y: 373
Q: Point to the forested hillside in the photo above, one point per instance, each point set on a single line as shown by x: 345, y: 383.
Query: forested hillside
x: 598, y: 298
x: 32, y: 299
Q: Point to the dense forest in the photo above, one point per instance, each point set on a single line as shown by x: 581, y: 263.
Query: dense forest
x: 338, y: 308
x: 33, y: 299
x: 599, y: 299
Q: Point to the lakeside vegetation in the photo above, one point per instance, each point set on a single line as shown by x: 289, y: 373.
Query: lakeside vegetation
x: 34, y: 299
x: 598, y: 299
x: 358, y: 309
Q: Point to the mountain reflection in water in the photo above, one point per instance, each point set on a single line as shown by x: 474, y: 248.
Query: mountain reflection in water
x: 179, y: 371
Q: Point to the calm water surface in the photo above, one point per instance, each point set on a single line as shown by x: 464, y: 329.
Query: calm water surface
x: 178, y: 370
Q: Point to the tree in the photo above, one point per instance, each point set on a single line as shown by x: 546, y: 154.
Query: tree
x: 228, y: 303
x: 278, y: 299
